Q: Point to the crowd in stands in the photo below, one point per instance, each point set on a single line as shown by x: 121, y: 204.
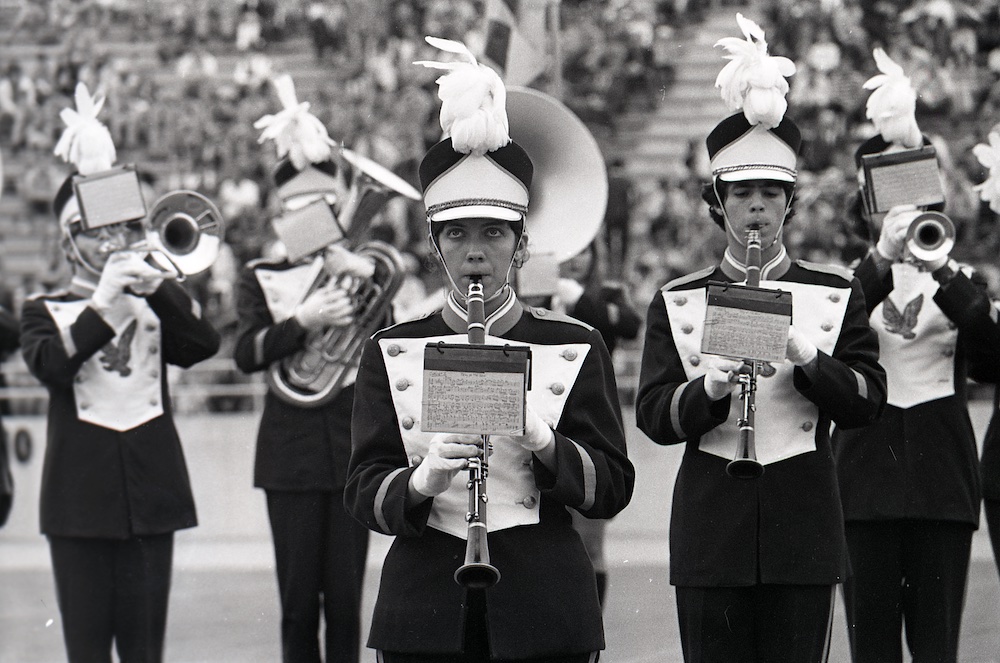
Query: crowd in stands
x: 185, y: 80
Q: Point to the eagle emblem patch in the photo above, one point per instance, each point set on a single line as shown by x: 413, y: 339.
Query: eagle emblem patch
x: 115, y: 357
x: 902, y: 323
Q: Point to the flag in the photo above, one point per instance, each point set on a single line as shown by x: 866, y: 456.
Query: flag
x: 516, y: 39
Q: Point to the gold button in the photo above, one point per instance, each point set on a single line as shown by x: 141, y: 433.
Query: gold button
x: 835, y: 298
x: 767, y: 369
x: 569, y: 354
x: 540, y: 311
x: 687, y: 329
x: 402, y: 384
x: 415, y: 460
x: 407, y: 423
x: 948, y: 352
x: 154, y: 374
x: 694, y: 360
x: 807, y: 426
x: 153, y: 349
x: 557, y: 389
x: 394, y: 350
x: 154, y: 402
x: 84, y: 406
x: 826, y: 327
x: 78, y: 379
x: 529, y: 502
x: 151, y: 327
x: 952, y: 326
x: 680, y: 301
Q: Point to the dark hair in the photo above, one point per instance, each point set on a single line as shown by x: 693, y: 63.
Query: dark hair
x: 715, y: 204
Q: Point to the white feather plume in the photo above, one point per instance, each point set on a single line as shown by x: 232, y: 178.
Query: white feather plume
x: 473, y: 101
x: 297, y: 133
x: 753, y: 80
x: 86, y: 142
x: 892, y: 104
x: 989, y: 157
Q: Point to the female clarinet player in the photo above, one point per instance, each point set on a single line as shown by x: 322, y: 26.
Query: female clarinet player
x: 412, y: 484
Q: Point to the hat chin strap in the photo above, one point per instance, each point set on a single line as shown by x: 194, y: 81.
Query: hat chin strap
x: 725, y: 217
x: 79, y: 259
x: 503, y: 287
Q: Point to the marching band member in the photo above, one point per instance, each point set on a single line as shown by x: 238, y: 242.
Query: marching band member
x: 910, y: 482
x: 302, y: 452
x: 756, y: 561
x: 989, y: 466
x: 115, y: 486
x: 412, y: 484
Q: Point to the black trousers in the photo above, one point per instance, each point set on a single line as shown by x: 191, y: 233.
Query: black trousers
x: 992, y: 510
x: 320, y: 554
x: 113, y: 591
x: 906, y: 572
x: 476, y: 648
x: 762, y: 623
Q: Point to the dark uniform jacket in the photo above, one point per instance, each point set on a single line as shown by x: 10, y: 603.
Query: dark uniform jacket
x: 786, y: 526
x: 546, y: 600
x: 114, y: 467
x: 298, y: 448
x: 919, y: 460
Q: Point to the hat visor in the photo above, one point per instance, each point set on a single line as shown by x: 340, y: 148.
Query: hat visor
x: 477, y: 212
x: 757, y: 174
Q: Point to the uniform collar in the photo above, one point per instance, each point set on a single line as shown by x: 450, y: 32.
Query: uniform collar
x: 81, y: 287
x: 497, y: 324
x: 773, y: 270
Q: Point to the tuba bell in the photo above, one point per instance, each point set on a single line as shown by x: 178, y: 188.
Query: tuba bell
x: 313, y: 376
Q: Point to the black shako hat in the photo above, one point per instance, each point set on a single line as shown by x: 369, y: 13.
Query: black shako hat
x: 739, y: 150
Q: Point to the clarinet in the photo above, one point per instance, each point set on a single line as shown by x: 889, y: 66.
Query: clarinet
x: 745, y: 464
x: 477, y: 572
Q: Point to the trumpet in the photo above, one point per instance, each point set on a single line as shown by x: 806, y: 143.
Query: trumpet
x: 931, y: 236
x: 183, y: 235
x: 477, y: 572
x: 745, y: 464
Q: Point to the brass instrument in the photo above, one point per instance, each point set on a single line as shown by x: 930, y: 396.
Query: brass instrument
x: 477, y: 572
x: 931, y: 236
x: 183, y: 235
x: 745, y: 465
x: 315, y: 375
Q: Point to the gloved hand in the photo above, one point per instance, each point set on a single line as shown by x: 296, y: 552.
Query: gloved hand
x: 327, y: 307
x: 800, y: 350
x: 568, y: 292
x: 124, y: 270
x: 340, y: 260
x: 537, y: 433
x: 448, y: 454
x: 894, y: 227
x: 720, y: 379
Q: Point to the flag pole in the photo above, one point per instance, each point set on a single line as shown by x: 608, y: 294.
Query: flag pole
x: 557, y: 56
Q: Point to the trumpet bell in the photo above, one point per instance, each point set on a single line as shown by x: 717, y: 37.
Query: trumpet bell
x: 185, y: 230
x: 931, y: 236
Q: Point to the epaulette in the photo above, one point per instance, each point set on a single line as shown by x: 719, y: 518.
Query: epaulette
x: 825, y: 268
x: 265, y: 262
x: 422, y: 316
x: 688, y: 278
x: 542, y: 313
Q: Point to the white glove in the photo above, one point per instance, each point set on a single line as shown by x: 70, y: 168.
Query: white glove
x: 448, y: 455
x: 721, y: 377
x: 327, y: 307
x: 800, y: 350
x: 537, y: 433
x: 569, y: 292
x: 894, y: 227
x: 124, y: 270
x: 339, y: 260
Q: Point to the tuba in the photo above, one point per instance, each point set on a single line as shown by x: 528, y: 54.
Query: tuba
x: 315, y: 375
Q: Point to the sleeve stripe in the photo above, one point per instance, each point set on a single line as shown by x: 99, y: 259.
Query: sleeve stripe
x: 862, y: 384
x: 383, y: 489
x: 258, y: 347
x: 675, y: 410
x: 994, y: 314
x: 589, y: 478
x: 66, y: 334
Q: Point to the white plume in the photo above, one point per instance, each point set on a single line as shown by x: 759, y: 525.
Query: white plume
x: 892, y: 104
x: 297, y: 133
x: 86, y: 142
x: 989, y: 157
x: 473, y: 101
x: 754, y: 80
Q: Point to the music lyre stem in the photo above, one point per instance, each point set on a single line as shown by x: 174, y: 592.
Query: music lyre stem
x: 745, y: 464
x: 477, y: 572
